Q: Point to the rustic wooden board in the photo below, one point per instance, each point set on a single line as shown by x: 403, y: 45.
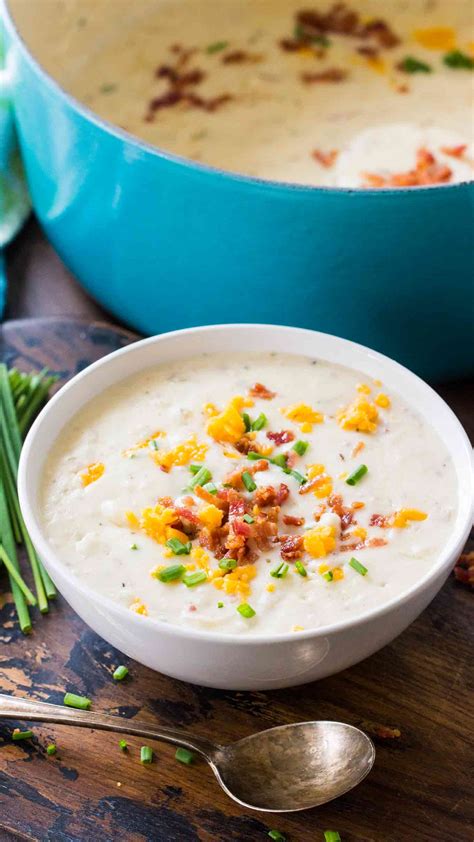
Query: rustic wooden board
x: 421, y: 787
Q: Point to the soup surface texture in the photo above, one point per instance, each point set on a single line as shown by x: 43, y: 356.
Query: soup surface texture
x: 249, y: 494
x: 350, y: 94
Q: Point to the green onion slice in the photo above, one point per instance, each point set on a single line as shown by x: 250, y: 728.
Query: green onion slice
x: 123, y: 745
x: 279, y: 460
x: 220, y: 604
x: 246, y: 610
x: 276, y: 836
x: 300, y: 568
x: 210, y: 487
x: 201, y: 477
x: 331, y: 836
x: 51, y: 749
x: 458, y: 60
x: 300, y: 447
x: 328, y: 576
x: 146, y: 754
x: 195, y: 468
x: 217, y: 47
x: 227, y: 564
x: 247, y: 421
x: 254, y: 456
x: 169, y: 574
x: 184, y: 756
x: 248, y: 519
x: 259, y: 422
x: 410, y: 64
x: 192, y: 579
x: 177, y: 546
x: 280, y: 571
x: 356, y: 565
x: 248, y: 481
x: 120, y: 673
x: 356, y: 475
x: 80, y: 702
x: 22, y: 735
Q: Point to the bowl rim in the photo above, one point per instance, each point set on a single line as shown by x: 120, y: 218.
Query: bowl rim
x: 247, y: 181
x: 443, y: 564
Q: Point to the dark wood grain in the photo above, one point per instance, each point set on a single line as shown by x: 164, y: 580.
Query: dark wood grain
x: 421, y: 787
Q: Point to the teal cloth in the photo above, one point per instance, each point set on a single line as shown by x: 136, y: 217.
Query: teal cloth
x: 14, y: 200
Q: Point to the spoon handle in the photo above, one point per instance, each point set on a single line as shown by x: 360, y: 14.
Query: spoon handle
x: 12, y: 707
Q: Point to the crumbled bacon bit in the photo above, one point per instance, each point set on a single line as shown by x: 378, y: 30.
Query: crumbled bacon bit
x: 369, y: 52
x: 241, y: 57
x: 319, y: 511
x: 258, y: 390
x: 291, y: 546
x: 292, y: 520
x: 357, y: 449
x: 215, y: 499
x: 464, y: 569
x: 290, y: 45
x: 382, y: 732
x: 344, y: 513
x: 186, y: 514
x: 358, y: 504
x: 381, y: 32
x: 235, y: 478
x: 454, y: 151
x: 427, y: 171
x: 282, y: 494
x: 380, y: 520
x: 332, y: 74
x: 283, y: 437
x: 326, y: 159
x: 181, y: 81
x: 270, y: 496
x: 339, y: 19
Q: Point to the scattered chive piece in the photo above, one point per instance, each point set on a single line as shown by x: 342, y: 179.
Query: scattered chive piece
x: 276, y: 836
x: 356, y: 565
x: 328, y: 576
x: 458, y: 60
x: 300, y: 568
x: 248, y: 519
x: 356, y: 475
x: 279, y: 460
x: 280, y: 571
x: 201, y: 477
x: 120, y: 673
x: 254, y: 456
x: 169, y: 574
x: 133, y: 547
x: 154, y: 444
x: 248, y: 481
x: 220, y: 604
x: 22, y: 735
x: 16, y: 576
x: 300, y: 447
x: 177, y: 546
x: 228, y: 564
x: 217, y: 47
x: 259, y: 422
x: 331, y: 836
x: 195, y: 468
x: 73, y: 701
x: 123, y: 745
x: 210, y: 487
x: 413, y: 65
x: 51, y: 749
x: 299, y: 477
x: 192, y: 579
x: 184, y: 756
x: 146, y: 754
x: 247, y: 421
x: 246, y: 610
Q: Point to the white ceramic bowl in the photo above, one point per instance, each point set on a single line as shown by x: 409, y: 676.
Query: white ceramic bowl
x: 230, y: 661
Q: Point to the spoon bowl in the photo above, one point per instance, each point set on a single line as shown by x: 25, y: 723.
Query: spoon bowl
x: 283, y: 769
x: 294, y: 767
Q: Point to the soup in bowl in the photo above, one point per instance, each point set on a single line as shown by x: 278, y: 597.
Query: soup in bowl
x: 240, y: 516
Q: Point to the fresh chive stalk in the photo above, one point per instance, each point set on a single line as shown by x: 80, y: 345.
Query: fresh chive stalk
x: 16, y: 576
x: 71, y: 700
x: 184, y: 756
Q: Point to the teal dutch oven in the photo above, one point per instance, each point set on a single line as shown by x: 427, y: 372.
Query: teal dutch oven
x: 163, y: 242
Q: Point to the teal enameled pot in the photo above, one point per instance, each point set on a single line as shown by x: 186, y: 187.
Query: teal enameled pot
x: 163, y: 242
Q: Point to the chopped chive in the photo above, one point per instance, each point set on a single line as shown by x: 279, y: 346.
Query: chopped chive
x: 192, y: 579
x: 356, y: 565
x: 300, y: 568
x: 120, y: 673
x: 458, y: 60
x: 228, y: 564
x: 248, y: 481
x: 356, y: 475
x: 146, y: 754
x: 300, y: 447
x: 195, y: 468
x: 22, y: 735
x: 220, y: 604
x: 246, y: 610
x: 216, y: 47
x: 259, y: 422
x: 276, y: 836
x: 51, y: 749
x: 177, y: 547
x: 299, y: 477
x: 184, y: 756
x: 210, y: 487
x: 328, y: 576
x: 169, y: 574
x: 201, y: 477
x: 80, y: 702
x: 247, y: 421
x: 331, y: 836
x: 133, y: 546
x: 16, y: 577
x: 280, y: 571
x: 248, y: 519
x: 413, y: 65
x: 279, y: 460
x: 154, y: 444
x: 123, y: 745
x: 254, y: 456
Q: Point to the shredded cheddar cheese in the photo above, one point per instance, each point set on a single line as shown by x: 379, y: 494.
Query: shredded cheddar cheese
x: 436, y: 38
x: 337, y: 573
x: 139, y: 607
x: 321, y: 482
x: 361, y: 415
x: 237, y: 581
x: 92, y: 473
x: 211, y: 516
x: 303, y: 415
x: 228, y: 425
x: 403, y: 516
x: 382, y: 400
x: 144, y: 443
x: 320, y: 541
x: 156, y: 522
x: 180, y: 455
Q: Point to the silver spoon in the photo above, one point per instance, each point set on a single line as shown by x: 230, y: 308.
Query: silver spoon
x: 288, y: 768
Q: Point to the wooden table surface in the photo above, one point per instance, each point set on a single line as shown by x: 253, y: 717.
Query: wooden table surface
x: 421, y: 787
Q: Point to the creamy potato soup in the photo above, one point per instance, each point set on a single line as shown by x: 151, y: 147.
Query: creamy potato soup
x: 249, y: 494
x: 353, y: 94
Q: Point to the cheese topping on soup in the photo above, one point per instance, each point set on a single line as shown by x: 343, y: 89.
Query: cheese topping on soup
x: 355, y: 94
x: 249, y: 494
